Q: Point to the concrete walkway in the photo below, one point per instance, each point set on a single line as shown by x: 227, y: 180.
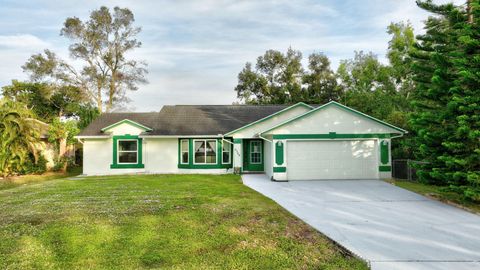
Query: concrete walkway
x: 390, y: 227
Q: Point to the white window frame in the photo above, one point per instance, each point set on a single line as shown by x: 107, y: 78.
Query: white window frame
x: 229, y: 152
x: 183, y: 151
x: 126, y: 151
x: 260, y: 152
x: 205, y: 155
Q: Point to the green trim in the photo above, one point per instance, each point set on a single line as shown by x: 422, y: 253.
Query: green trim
x: 247, y: 166
x: 342, y: 107
x: 279, y: 156
x: 384, y: 152
x: 127, y: 121
x: 384, y: 168
x: 237, y: 141
x: 332, y: 135
x: 270, y: 116
x: 279, y: 169
x: 139, y: 164
x: 191, y: 156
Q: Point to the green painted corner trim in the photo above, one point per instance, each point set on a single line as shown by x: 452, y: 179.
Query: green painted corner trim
x: 402, y: 131
x: 127, y: 121
x: 332, y: 135
x: 384, y: 156
x: 270, y: 116
x: 139, y: 164
x: 384, y: 168
x: 191, y: 156
x: 279, y: 153
x: 279, y: 169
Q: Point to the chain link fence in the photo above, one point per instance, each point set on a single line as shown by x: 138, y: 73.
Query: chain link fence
x: 404, y: 169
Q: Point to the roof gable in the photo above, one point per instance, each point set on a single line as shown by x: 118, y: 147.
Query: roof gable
x: 126, y: 121
x: 270, y: 117
x: 342, y: 109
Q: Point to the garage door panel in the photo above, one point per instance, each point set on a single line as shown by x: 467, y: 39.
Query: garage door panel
x: 308, y: 160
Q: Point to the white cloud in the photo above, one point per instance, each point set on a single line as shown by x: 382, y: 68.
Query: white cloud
x: 22, y: 41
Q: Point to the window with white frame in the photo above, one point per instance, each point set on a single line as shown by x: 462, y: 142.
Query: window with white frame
x: 205, y: 151
x: 184, y: 158
x: 127, y: 151
x: 226, y: 149
x: 255, y: 152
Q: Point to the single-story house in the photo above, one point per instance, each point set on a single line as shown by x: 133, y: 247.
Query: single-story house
x: 297, y: 142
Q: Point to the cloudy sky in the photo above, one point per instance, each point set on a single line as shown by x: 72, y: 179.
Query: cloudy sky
x: 195, y: 49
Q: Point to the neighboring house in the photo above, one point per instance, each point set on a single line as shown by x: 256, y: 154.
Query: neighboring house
x: 298, y: 142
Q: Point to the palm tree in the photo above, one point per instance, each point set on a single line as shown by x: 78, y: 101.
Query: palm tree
x: 18, y: 135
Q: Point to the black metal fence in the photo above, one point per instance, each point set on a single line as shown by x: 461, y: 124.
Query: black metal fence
x: 404, y: 169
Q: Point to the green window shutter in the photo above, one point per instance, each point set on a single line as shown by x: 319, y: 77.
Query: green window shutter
x: 384, y: 152
x: 279, y: 153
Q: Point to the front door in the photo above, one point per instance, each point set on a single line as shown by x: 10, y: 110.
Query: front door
x: 253, y: 155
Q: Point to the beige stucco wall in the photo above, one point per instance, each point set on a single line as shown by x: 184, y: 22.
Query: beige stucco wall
x: 332, y: 119
x: 252, y: 131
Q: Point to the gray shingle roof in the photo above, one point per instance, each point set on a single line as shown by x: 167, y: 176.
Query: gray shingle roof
x: 188, y: 119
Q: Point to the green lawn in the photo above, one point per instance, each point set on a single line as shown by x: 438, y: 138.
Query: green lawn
x: 438, y: 193
x: 168, y: 221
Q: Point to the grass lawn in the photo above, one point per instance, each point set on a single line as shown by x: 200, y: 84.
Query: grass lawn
x: 439, y: 193
x: 151, y: 221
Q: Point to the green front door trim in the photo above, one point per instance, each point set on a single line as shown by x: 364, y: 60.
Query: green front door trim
x: 191, y: 156
x: 247, y: 164
x: 384, y: 158
x: 139, y: 164
x: 279, y: 169
x: 385, y: 168
x: 279, y: 146
x: 333, y: 135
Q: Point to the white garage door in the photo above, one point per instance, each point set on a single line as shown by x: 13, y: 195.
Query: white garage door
x: 310, y: 160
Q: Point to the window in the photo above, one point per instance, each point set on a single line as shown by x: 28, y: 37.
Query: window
x: 255, y: 152
x: 205, y: 151
x: 184, y: 159
x: 127, y: 152
x: 226, y: 152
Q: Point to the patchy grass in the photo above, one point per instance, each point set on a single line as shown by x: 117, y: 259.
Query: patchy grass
x: 34, y: 178
x: 167, y: 221
x: 439, y: 193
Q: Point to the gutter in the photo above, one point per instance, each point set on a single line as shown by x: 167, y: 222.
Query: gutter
x: 260, y: 136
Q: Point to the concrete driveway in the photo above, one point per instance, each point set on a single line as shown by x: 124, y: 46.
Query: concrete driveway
x: 390, y: 227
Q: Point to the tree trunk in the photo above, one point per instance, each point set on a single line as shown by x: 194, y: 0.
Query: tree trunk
x: 111, y: 92
x: 469, y: 11
x: 62, y: 150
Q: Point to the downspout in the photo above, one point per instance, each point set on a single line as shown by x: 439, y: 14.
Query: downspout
x: 80, y: 140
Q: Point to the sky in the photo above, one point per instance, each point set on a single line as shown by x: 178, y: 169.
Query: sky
x: 195, y: 49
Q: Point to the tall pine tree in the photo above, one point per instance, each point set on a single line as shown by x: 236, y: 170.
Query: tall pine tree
x: 447, y: 107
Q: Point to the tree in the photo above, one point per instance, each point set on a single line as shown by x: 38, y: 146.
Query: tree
x: 367, y: 85
x: 320, y: 81
x: 102, y: 44
x: 275, y: 80
x: 399, y: 48
x: 447, y: 100
x: 47, y: 101
x: 18, y: 134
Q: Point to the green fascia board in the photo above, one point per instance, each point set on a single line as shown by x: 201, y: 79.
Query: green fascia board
x: 333, y: 135
x: 270, y: 116
x: 385, y: 168
x: 191, y: 165
x: 127, y: 121
x: 139, y: 164
x: 279, y: 169
x: 333, y: 103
